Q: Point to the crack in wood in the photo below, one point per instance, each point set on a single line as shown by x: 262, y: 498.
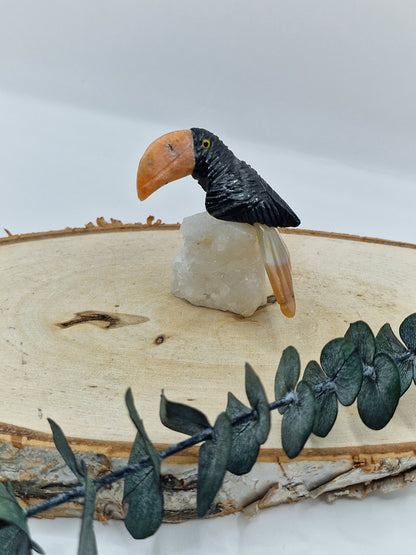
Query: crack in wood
x: 105, y: 320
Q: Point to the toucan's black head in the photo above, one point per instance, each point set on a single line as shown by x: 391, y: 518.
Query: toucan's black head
x: 210, y: 154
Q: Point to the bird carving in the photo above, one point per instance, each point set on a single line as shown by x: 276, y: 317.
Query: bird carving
x: 235, y: 192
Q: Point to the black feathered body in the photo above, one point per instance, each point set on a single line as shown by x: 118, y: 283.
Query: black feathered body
x: 234, y: 190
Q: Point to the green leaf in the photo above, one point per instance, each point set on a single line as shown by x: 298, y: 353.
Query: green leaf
x: 326, y: 413
x: 380, y: 388
x: 407, y: 332
x: 65, y: 450
x: 244, y: 445
x: 341, y: 362
x: 248, y: 435
x: 212, y: 463
x: 334, y: 354
x: 10, y: 510
x: 326, y: 400
x: 13, y: 541
x: 407, y: 371
x: 182, y: 418
x: 14, y: 532
x: 388, y: 343
x: 380, y: 392
x: 298, y: 420
x: 142, y: 490
x: 287, y: 375
x: 361, y: 336
x: 258, y: 401
x: 314, y: 376
x: 87, y: 542
x: 348, y: 380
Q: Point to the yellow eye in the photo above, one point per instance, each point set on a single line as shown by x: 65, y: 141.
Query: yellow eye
x: 206, y: 144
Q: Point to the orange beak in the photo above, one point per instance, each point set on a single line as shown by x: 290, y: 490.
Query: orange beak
x: 168, y: 158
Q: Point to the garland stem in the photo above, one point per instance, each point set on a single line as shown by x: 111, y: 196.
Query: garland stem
x: 108, y: 479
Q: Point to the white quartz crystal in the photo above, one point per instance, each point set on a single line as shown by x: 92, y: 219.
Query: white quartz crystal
x: 220, y: 265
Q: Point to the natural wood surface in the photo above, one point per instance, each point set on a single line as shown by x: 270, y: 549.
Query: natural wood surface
x: 87, y: 314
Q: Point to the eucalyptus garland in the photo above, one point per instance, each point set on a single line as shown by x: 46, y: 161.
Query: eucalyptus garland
x: 374, y: 370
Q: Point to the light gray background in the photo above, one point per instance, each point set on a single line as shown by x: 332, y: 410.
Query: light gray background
x: 318, y: 96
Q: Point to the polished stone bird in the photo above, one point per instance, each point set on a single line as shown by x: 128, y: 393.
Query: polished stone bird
x: 234, y: 192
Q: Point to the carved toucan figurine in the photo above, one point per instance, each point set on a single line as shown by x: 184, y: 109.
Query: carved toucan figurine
x: 234, y: 192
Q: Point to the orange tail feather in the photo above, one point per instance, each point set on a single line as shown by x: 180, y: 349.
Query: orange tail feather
x: 277, y: 264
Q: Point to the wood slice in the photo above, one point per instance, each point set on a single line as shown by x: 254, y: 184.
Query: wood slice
x: 87, y: 313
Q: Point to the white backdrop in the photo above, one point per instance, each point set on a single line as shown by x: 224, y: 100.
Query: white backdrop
x: 317, y: 96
